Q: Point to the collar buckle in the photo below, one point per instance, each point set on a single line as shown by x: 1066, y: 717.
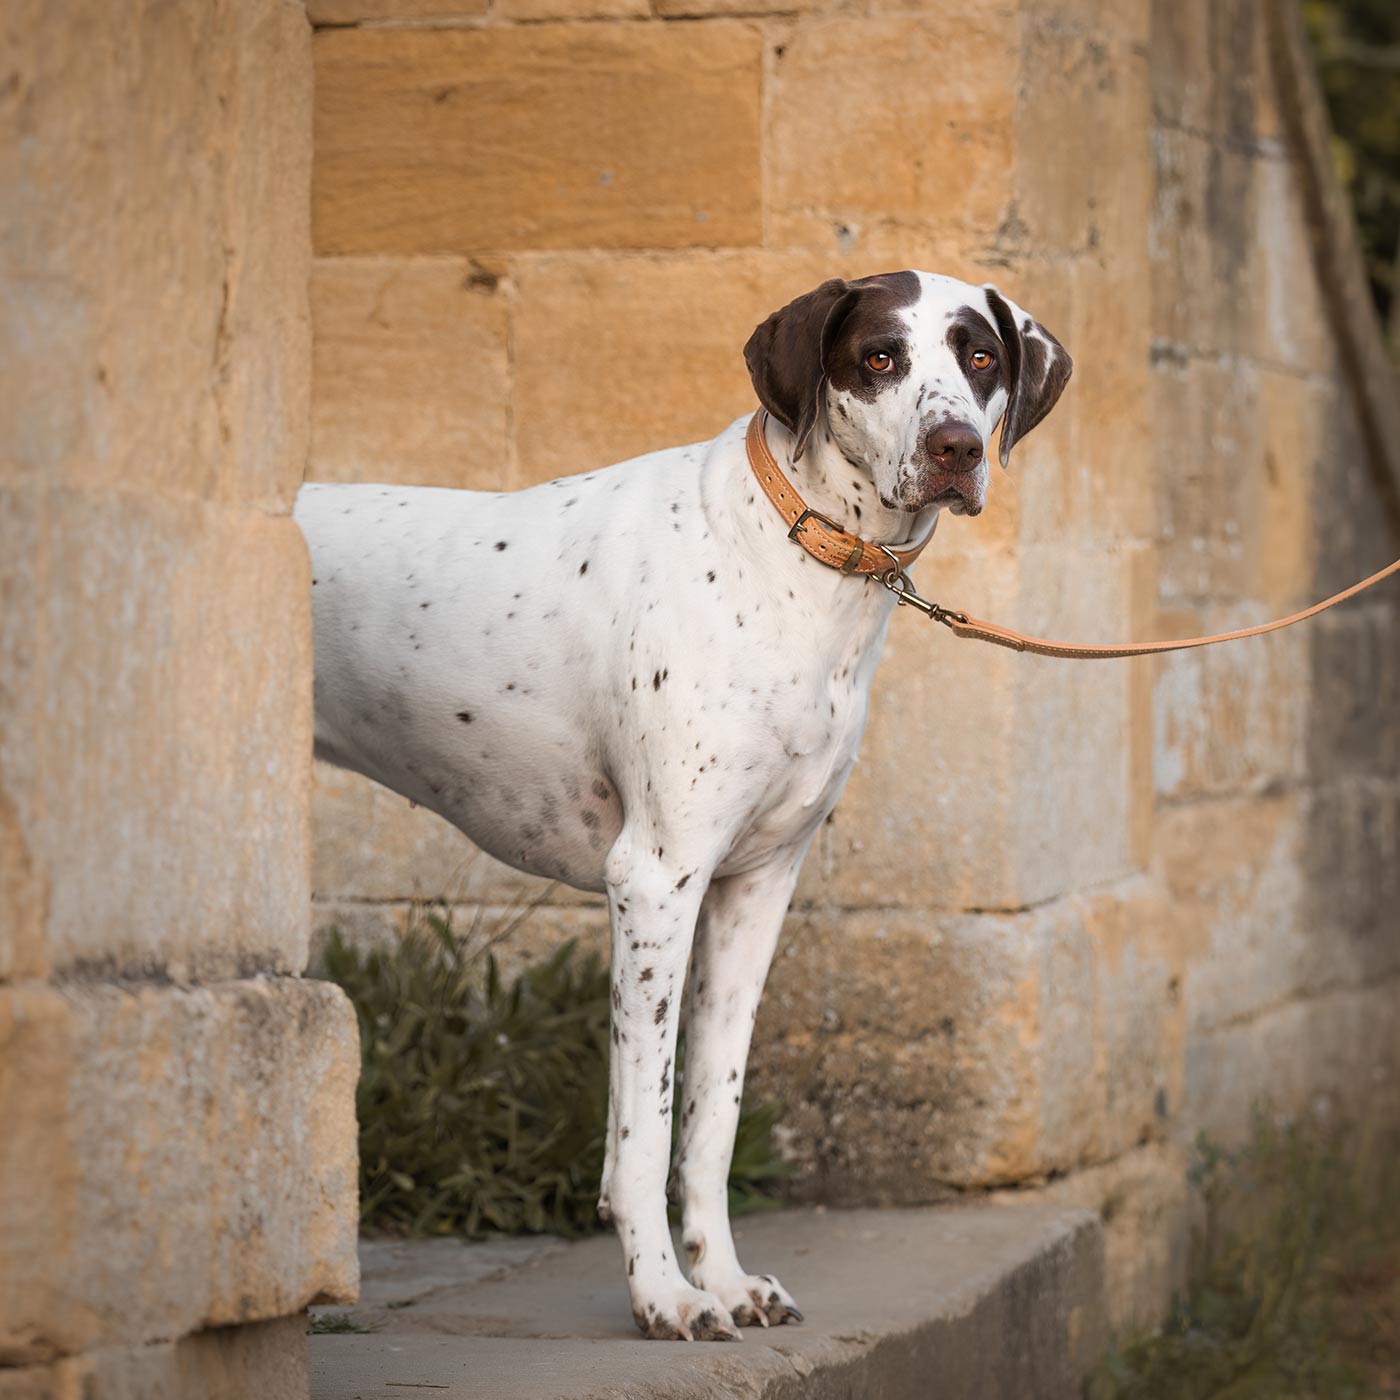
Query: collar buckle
x: 799, y: 524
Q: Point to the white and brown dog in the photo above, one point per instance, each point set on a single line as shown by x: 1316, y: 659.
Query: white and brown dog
x: 635, y: 682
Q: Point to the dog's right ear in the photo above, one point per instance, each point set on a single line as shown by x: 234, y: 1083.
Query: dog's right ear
x: 787, y: 356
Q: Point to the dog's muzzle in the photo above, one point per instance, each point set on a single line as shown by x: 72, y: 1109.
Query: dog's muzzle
x: 954, y: 470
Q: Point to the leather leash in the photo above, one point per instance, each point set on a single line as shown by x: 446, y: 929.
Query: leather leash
x: 837, y: 548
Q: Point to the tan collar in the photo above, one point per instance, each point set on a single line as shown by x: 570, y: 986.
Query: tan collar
x: 821, y: 537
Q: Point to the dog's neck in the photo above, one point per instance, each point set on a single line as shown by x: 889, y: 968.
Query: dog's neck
x: 829, y: 482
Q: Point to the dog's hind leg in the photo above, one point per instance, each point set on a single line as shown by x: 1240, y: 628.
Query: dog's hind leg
x: 654, y: 901
x: 739, y: 925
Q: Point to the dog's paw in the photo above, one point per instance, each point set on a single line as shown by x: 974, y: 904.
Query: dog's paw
x: 685, y: 1314
x: 753, y: 1300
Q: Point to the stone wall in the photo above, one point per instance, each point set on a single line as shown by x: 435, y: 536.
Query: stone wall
x: 177, y: 1156
x: 1139, y: 895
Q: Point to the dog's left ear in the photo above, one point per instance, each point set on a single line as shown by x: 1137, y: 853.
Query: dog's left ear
x: 787, y: 356
x: 1038, y: 364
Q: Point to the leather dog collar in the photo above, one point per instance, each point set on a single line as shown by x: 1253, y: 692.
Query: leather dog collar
x: 826, y: 541
x: 829, y: 544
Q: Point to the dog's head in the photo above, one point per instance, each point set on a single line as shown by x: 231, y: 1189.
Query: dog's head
x: 910, y: 372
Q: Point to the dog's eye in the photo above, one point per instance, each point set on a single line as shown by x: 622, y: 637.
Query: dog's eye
x: 880, y: 362
x: 982, y: 360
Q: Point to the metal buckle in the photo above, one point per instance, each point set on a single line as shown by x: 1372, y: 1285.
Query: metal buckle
x: 813, y: 515
x: 902, y: 586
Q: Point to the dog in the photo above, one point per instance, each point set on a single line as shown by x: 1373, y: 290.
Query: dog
x: 635, y: 681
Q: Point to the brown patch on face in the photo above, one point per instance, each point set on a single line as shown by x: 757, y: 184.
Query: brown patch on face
x: 969, y: 333
x: 873, y: 325
x: 792, y: 354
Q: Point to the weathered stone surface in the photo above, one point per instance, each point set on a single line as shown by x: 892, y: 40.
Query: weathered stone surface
x: 1340, y: 1047
x: 173, y: 1160
x: 1228, y: 719
x: 1351, y: 833
x: 1143, y: 1202
x: 589, y: 347
x: 1210, y: 69
x: 988, y: 821
x: 616, y: 356
x: 918, y: 1052
x: 266, y: 1359
x: 845, y: 93
x: 155, y: 744
x: 1232, y: 869
x: 1098, y: 202
x: 635, y: 136
x: 1001, y: 1302
x: 356, y: 11
x: 175, y: 180
x: 411, y: 375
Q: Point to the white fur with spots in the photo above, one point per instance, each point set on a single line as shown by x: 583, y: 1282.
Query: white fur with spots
x: 631, y: 681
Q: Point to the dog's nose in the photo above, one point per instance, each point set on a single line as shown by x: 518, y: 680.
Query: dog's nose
x: 955, y: 447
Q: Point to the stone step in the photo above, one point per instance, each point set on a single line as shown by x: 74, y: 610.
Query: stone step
x: 963, y: 1302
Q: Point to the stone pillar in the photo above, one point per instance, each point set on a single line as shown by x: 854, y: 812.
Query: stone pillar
x: 177, y: 1134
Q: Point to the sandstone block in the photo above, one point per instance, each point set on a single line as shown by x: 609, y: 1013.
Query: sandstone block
x: 1086, y: 474
x: 917, y: 1051
x: 594, y: 385
x: 172, y: 173
x: 1234, y: 872
x: 1210, y: 70
x: 173, y: 1160
x: 635, y: 136
x: 22, y: 949
x: 1204, y: 288
x: 169, y: 737
x: 845, y: 95
x: 1340, y: 1048
x: 1097, y: 202
x: 1234, y: 479
x: 412, y: 382
x: 264, y: 1359
x: 1143, y: 1201
x: 1354, y: 678
x: 1351, y: 831
x: 1229, y: 719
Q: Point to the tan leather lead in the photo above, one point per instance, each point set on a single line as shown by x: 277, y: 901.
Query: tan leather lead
x: 841, y: 550
x: 974, y: 627
x: 820, y: 536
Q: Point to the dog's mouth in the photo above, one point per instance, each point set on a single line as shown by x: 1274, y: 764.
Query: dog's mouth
x: 962, y: 493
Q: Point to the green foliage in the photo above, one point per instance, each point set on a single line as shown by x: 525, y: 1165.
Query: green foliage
x: 1357, y: 44
x: 1299, y: 1233
x: 483, y: 1103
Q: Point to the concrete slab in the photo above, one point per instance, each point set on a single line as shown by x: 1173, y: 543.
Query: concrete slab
x: 963, y: 1302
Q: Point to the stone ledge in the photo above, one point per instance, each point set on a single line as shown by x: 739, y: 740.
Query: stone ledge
x: 974, y: 1301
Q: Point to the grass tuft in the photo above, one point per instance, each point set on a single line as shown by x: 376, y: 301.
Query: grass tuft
x: 483, y: 1102
x: 1294, y: 1291
x: 335, y: 1324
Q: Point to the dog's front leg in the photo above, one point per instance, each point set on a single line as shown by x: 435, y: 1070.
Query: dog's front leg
x: 738, y: 930
x: 653, y: 901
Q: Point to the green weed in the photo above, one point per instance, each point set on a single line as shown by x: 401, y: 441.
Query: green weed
x: 483, y: 1102
x: 1295, y: 1283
